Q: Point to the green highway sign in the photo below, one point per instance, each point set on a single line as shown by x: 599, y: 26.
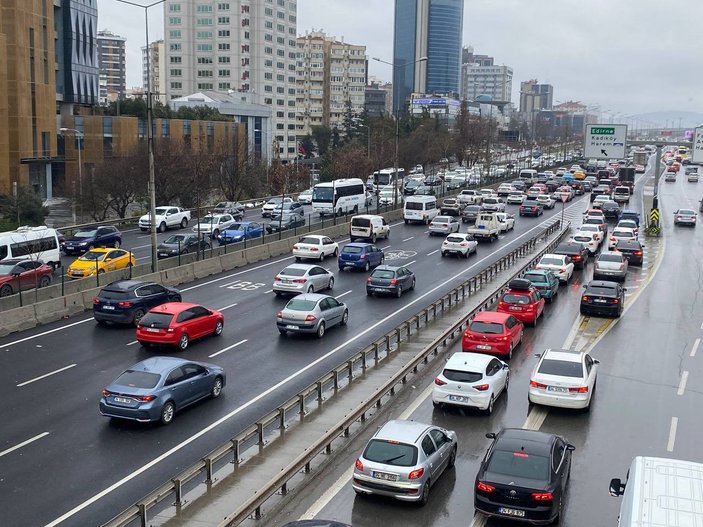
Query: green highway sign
x: 603, y: 131
x: 604, y: 141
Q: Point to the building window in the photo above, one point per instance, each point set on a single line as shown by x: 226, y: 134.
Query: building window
x: 176, y: 72
x: 204, y: 60
x: 204, y: 22
x: 165, y: 128
x: 204, y: 9
x: 204, y: 34
x: 268, y: 38
x: 176, y: 33
x: 176, y: 85
x: 224, y: 86
x: 204, y: 47
x: 268, y: 50
x: 268, y: 11
x: 175, y: 60
x: 268, y: 89
x: 223, y: 60
x: 223, y: 73
x: 174, y: 20
x: 174, y: 47
x: 223, y: 6
x: 223, y: 33
x: 174, y: 8
x: 223, y: 47
x: 204, y: 73
x: 205, y: 86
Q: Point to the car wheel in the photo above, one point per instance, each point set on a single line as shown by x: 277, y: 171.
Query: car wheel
x: 167, y: 411
x: 45, y: 281
x: 162, y: 227
x: 321, y: 330
x: 442, y: 253
x: 297, y: 258
x: 311, y: 289
x: 138, y: 314
x: 322, y: 256
x: 215, y: 233
x: 219, y: 325
x: 373, y: 238
x: 183, y: 342
x: 424, y: 498
x: 489, y: 409
x: 116, y: 245
x: 283, y: 332
x: 466, y: 254
x: 216, y: 389
x: 184, y: 223
x: 412, y: 285
x: 367, y: 267
x: 101, y: 271
x: 510, y: 352
x: 452, y: 458
x: 399, y: 291
x: 345, y: 318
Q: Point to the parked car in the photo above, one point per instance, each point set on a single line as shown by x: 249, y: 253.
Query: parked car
x: 101, y: 260
x: 563, y: 378
x: 461, y: 244
x: 238, y: 232
x: 473, y: 380
x: 166, y: 217
x: 493, y: 333
x: 87, y: 238
x: 126, y: 301
x: 213, y: 224
x: 522, y: 300
x: 315, y: 247
x: 546, y: 283
x: 358, y: 255
x: 302, y: 278
x: 632, y: 250
x: 181, y: 243
x: 559, y: 264
x: 155, y: 388
x: 403, y: 460
x: 286, y: 223
x: 16, y: 274
x: 444, y: 225
x: 602, y: 297
x: 311, y: 313
x: 177, y: 324
x: 388, y: 279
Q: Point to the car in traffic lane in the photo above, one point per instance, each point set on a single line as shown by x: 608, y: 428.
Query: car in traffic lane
x: 388, y: 279
x: 633, y: 250
x: 576, y: 251
x: 99, y: 261
x: 461, y: 244
x: 88, y: 238
x: 493, y: 333
x: 302, y: 278
x: 177, y: 324
x: 685, y: 217
x: 311, y: 313
x: 357, y: 255
x: 16, y: 274
x: 564, y: 379
x: 522, y: 300
x: 315, y: 247
x: 126, y: 301
x: 444, y: 225
x: 181, y: 244
x: 559, y: 264
x: 602, y: 297
x: 546, y: 283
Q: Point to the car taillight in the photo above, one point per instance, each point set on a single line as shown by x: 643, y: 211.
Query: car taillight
x: 439, y: 382
x: 144, y: 398
x: 615, y: 301
x: 359, y: 465
x: 124, y: 303
x: 314, y: 249
x: 484, y: 487
x: 576, y: 257
x: 105, y: 392
x: 276, y: 278
x: 481, y: 387
x: 416, y: 474
x: 502, y: 305
x: 580, y: 389
x: 585, y: 298
x: 96, y: 300
x: 637, y: 253
x: 363, y: 257
x: 170, y: 330
x: 394, y: 281
x: 310, y: 318
x: 542, y: 496
x: 463, y: 244
x: 535, y: 384
x: 368, y: 280
x: 279, y: 315
x: 300, y: 280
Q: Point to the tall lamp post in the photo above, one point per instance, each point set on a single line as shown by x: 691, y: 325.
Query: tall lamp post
x: 397, y: 128
x: 149, y: 131
x: 79, y: 135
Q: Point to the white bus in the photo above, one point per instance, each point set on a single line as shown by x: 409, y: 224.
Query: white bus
x: 31, y: 243
x: 340, y: 196
x: 384, y: 177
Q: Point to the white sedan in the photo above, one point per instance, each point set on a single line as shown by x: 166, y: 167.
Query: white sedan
x: 589, y: 227
x: 620, y: 233
x: 546, y: 201
x: 516, y: 198
x: 444, y: 225
x: 563, y: 378
x: 588, y: 239
x: 461, y: 244
x: 473, y: 380
x: 315, y: 247
x: 559, y: 264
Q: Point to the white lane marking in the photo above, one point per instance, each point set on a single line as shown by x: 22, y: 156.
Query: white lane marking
x: 408, y: 239
x: 144, y: 257
x: 345, y: 293
x: 132, y: 343
x: 416, y: 403
x: 23, y: 443
x: 410, y: 263
x: 25, y: 339
x: 227, y: 348
x: 694, y: 349
x: 140, y: 247
x: 672, y: 434
x: 682, y: 383
x: 701, y: 325
x: 227, y: 307
x: 269, y: 291
x: 265, y: 393
x: 535, y: 418
x: 433, y: 252
x: 30, y: 381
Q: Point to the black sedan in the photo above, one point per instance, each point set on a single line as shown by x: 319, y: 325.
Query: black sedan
x: 611, y: 210
x: 633, y: 250
x: 126, y: 301
x: 576, y: 251
x: 523, y: 476
x: 387, y: 279
x: 531, y: 208
x: 88, y: 238
x: 183, y: 243
x: 291, y: 221
x: 601, y: 297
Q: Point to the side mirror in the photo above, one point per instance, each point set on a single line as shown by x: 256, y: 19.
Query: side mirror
x: 538, y: 355
x: 624, y: 288
x: 584, y: 286
x: 491, y: 435
x: 506, y: 366
x: 570, y: 447
x: 616, y: 487
x: 596, y: 361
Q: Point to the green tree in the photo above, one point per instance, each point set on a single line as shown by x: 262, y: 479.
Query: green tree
x: 322, y: 135
x: 29, y: 205
x: 308, y: 145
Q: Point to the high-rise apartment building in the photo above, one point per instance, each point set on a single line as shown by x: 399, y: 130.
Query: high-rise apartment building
x: 379, y: 98
x: 331, y: 77
x: 481, y: 76
x: 534, y: 96
x: 154, y: 70
x: 430, y: 29
x: 238, y: 45
x: 113, y: 64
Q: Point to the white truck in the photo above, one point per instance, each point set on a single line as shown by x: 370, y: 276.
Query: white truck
x: 487, y: 227
x: 470, y: 197
x: 167, y: 217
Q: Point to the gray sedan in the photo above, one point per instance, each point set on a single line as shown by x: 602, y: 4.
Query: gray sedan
x: 302, y: 278
x: 311, y: 313
x: 387, y: 279
x: 610, y: 265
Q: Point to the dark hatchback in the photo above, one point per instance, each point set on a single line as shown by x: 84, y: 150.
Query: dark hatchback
x: 470, y: 213
x: 633, y: 250
x: 126, y: 301
x: 523, y: 476
x: 292, y: 221
x: 531, y: 208
x: 180, y: 243
x: 601, y: 297
x: 90, y: 237
x: 387, y: 279
x: 576, y: 251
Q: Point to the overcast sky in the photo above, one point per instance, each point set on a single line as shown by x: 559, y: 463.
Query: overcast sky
x: 627, y: 56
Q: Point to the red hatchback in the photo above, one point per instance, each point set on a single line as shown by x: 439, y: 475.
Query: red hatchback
x: 177, y: 323
x: 523, y: 301
x: 25, y: 274
x: 492, y: 332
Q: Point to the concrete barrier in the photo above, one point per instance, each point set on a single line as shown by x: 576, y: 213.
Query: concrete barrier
x: 88, y: 296
x: 279, y: 247
x: 207, y: 267
x: 258, y: 253
x: 233, y: 260
x: 178, y: 275
x: 50, y: 310
x: 74, y: 303
x: 18, y: 319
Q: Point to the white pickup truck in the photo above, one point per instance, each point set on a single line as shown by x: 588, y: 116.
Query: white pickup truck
x: 166, y: 217
x: 487, y: 227
x: 469, y: 197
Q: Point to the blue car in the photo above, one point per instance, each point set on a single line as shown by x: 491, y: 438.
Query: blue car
x: 238, y: 232
x: 630, y: 215
x: 156, y: 388
x: 545, y: 282
x: 360, y: 256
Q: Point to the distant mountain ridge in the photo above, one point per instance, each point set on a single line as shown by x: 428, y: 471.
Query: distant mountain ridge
x: 670, y: 119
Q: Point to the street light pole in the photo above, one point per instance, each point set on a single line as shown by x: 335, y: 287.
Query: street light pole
x: 79, y: 135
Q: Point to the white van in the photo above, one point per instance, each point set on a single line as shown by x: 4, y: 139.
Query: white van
x: 420, y: 209
x: 660, y: 492
x: 368, y: 227
x: 31, y: 243
x: 529, y: 176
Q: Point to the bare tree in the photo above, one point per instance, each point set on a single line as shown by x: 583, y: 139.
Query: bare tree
x: 350, y: 161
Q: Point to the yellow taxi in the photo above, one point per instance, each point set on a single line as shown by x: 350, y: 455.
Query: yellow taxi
x: 578, y: 175
x: 99, y: 261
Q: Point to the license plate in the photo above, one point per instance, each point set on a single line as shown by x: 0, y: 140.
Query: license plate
x: 600, y: 301
x: 109, y: 308
x: 123, y: 400
x: 511, y: 512
x: 152, y: 330
x: 289, y: 326
x: 458, y: 399
x: 482, y: 347
x: 557, y: 389
x: 163, y: 254
x: 77, y: 273
x: 379, y: 290
x: 515, y: 308
x: 384, y: 476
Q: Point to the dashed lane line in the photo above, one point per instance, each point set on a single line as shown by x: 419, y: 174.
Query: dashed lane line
x: 30, y: 381
x: 23, y: 443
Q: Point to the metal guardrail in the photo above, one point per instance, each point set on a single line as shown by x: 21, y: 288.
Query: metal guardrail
x: 256, y: 433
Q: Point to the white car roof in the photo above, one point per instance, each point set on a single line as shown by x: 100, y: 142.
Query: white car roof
x: 565, y: 355
x: 469, y: 361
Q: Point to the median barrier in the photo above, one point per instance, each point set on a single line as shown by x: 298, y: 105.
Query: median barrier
x: 258, y: 253
x: 207, y: 267
x: 18, y: 319
x: 279, y: 247
x: 233, y: 260
x: 74, y: 304
x: 88, y: 296
x: 178, y: 275
x: 50, y: 310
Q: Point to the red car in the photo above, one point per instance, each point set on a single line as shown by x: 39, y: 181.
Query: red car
x: 177, y: 323
x: 26, y: 274
x: 523, y: 301
x: 492, y: 332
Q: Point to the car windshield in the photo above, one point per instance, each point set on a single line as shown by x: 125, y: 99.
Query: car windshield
x: 391, y: 453
x: 235, y: 227
x: 462, y: 376
x: 535, y: 278
x: 551, y: 261
x: 293, y: 271
x: 156, y: 320
x: 610, y: 258
x: 221, y: 205
x: 209, y: 219
x: 86, y: 234
x: 275, y: 201
x: 493, y: 328
x: 563, y: 368
x: 160, y: 211
x: 322, y: 194
x: 519, y: 465
x: 383, y: 274
x: 298, y: 304
x: 175, y: 239
x: 93, y: 256
x: 510, y: 298
x: 352, y: 250
x: 138, y: 379
x: 310, y: 240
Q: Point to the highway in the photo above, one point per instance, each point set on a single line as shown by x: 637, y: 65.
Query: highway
x: 90, y: 468
x: 647, y: 401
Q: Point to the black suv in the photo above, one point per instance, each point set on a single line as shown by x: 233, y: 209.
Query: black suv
x: 183, y: 243
x: 126, y: 301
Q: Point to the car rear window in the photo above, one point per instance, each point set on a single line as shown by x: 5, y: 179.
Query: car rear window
x: 309, y: 240
x: 583, y: 238
x: 493, y: 328
x: 622, y: 234
x: 391, y: 453
x: 596, y: 290
x: 473, y: 208
x: 564, y: 368
x: 610, y: 258
x: 138, y: 379
x: 510, y: 298
x: 112, y: 294
x: 413, y: 205
x: 455, y: 239
x: 293, y: 271
x: 361, y: 222
x: 519, y: 464
x: 442, y: 219
x: 301, y: 305
x: 156, y: 320
x: 352, y: 250
x: 383, y: 273
x: 462, y: 376
x: 534, y: 277
x: 551, y: 261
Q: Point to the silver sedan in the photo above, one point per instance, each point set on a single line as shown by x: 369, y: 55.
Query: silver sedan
x: 444, y: 225
x: 302, y: 278
x: 610, y: 265
x: 311, y: 313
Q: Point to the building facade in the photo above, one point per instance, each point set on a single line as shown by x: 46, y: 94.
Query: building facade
x: 154, y: 70
x: 238, y: 45
x: 481, y: 76
x: 535, y: 96
x: 331, y: 77
x: 446, y: 109
x: 431, y: 30
x: 113, y: 65
x: 378, y: 99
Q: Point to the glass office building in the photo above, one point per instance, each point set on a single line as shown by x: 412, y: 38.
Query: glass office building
x: 445, y: 22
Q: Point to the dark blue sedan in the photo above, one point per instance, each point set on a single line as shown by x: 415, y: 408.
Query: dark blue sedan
x: 545, y: 282
x: 238, y: 232
x: 126, y: 301
x: 360, y: 256
x: 156, y: 388
x: 89, y: 238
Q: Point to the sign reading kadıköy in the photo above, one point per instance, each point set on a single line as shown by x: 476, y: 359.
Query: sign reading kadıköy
x: 604, y: 141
